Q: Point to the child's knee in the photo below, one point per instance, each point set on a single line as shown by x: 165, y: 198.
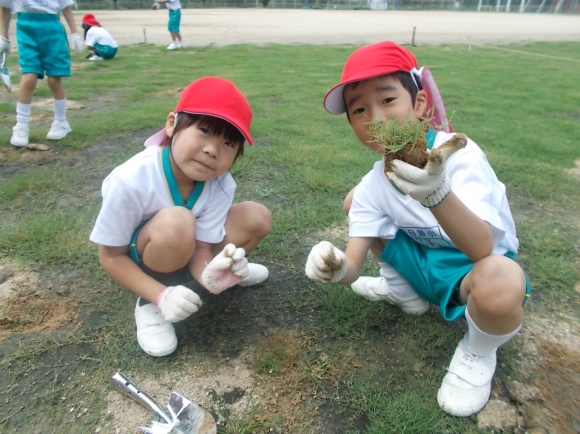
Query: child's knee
x: 175, y: 224
x: 262, y: 218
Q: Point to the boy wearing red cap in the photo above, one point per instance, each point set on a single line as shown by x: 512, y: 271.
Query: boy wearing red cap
x: 167, y: 215
x: 43, y: 49
x: 443, y: 234
x: 98, y: 40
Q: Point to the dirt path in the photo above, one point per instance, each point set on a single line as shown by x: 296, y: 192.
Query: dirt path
x: 201, y: 27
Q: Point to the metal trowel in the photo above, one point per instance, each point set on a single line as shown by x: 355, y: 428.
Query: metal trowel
x: 182, y: 415
x: 5, y: 74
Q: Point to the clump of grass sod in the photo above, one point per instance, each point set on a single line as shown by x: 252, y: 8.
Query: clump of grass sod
x: 402, y: 141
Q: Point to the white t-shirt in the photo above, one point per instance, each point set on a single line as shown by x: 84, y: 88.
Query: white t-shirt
x: 36, y: 6
x: 99, y: 35
x: 173, y: 5
x: 378, y: 210
x: 137, y: 189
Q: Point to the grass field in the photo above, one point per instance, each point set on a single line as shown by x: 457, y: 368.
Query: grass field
x: 318, y: 359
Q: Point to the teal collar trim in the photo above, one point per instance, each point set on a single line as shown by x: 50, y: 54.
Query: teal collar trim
x: 172, y: 183
x: 431, y: 135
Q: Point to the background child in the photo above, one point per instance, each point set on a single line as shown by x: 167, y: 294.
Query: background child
x: 98, y: 40
x: 167, y: 215
x: 43, y: 48
x: 450, y: 240
x: 174, y: 7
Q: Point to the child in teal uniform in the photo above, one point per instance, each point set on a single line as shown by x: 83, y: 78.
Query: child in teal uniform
x: 167, y: 215
x: 174, y: 7
x: 98, y: 40
x: 43, y: 49
x: 443, y: 234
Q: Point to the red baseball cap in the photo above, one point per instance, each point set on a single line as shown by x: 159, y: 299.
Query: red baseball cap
x: 368, y: 62
x: 213, y: 96
x: 91, y: 20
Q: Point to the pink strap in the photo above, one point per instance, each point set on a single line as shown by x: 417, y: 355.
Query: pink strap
x: 161, y: 295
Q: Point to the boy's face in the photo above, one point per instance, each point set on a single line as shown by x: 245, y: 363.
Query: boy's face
x: 380, y: 98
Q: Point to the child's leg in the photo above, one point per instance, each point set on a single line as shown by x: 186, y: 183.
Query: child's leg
x: 390, y: 286
x: 60, y: 127
x: 247, y: 224
x: 493, y: 291
x: 21, y: 130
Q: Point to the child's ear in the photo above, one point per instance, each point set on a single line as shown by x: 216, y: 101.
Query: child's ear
x: 420, y: 103
x: 170, y: 124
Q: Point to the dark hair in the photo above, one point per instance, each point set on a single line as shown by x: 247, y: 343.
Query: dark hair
x: 403, y: 77
x: 86, y: 28
x: 214, y: 124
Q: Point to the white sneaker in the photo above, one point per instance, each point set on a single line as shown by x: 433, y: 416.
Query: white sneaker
x: 180, y: 45
x: 58, y: 130
x: 95, y: 57
x: 377, y: 289
x: 172, y: 46
x: 19, y: 136
x: 258, y: 273
x: 155, y: 335
x: 466, y: 387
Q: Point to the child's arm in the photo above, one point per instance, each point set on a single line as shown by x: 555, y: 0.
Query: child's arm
x: 431, y: 187
x: 76, y: 39
x: 327, y: 264
x: 5, y: 15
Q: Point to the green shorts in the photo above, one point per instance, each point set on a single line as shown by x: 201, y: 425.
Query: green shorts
x: 177, y: 277
x: 434, y: 274
x: 42, y: 45
x: 174, y: 20
x: 105, y: 51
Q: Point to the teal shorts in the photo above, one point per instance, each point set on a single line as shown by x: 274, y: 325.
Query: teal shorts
x: 105, y: 51
x: 42, y: 45
x: 434, y: 274
x: 174, y: 20
x: 177, y: 277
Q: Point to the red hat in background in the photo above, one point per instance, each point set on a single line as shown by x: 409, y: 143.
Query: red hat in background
x: 369, y: 62
x: 91, y: 20
x: 213, y: 96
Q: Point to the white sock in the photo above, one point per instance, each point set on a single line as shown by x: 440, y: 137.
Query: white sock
x: 60, y: 109
x: 397, y: 283
x: 22, y: 114
x: 480, y: 343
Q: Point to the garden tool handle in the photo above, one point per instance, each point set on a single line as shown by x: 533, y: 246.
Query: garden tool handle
x: 130, y: 389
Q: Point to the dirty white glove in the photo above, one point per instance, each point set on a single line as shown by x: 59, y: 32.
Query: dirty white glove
x: 429, y: 185
x: 326, y: 263
x: 77, y: 42
x: 178, y: 302
x: 155, y: 6
x: 227, y: 269
x: 4, y: 45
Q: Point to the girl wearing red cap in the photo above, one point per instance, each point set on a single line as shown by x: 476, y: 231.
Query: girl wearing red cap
x: 443, y: 234
x: 168, y: 216
x: 98, y: 41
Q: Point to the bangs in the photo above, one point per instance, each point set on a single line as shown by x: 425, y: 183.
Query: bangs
x: 215, y: 125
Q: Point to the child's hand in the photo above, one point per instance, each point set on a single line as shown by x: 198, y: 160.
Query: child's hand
x: 326, y: 263
x: 227, y: 269
x: 178, y: 302
x: 77, y: 42
x: 155, y: 6
x: 429, y: 185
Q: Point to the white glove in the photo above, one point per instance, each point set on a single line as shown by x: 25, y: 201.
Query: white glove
x: 178, y: 302
x: 326, y: 263
x: 227, y: 269
x: 155, y: 6
x: 77, y: 42
x: 429, y: 185
x: 4, y: 45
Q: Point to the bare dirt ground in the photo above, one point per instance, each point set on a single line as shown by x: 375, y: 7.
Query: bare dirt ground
x: 201, y: 27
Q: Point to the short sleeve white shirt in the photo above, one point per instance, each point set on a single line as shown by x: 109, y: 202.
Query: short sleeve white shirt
x: 378, y: 210
x: 99, y: 35
x: 137, y: 190
x: 173, y: 5
x: 36, y: 6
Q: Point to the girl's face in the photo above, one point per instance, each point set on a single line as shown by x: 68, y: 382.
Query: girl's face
x: 197, y: 154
